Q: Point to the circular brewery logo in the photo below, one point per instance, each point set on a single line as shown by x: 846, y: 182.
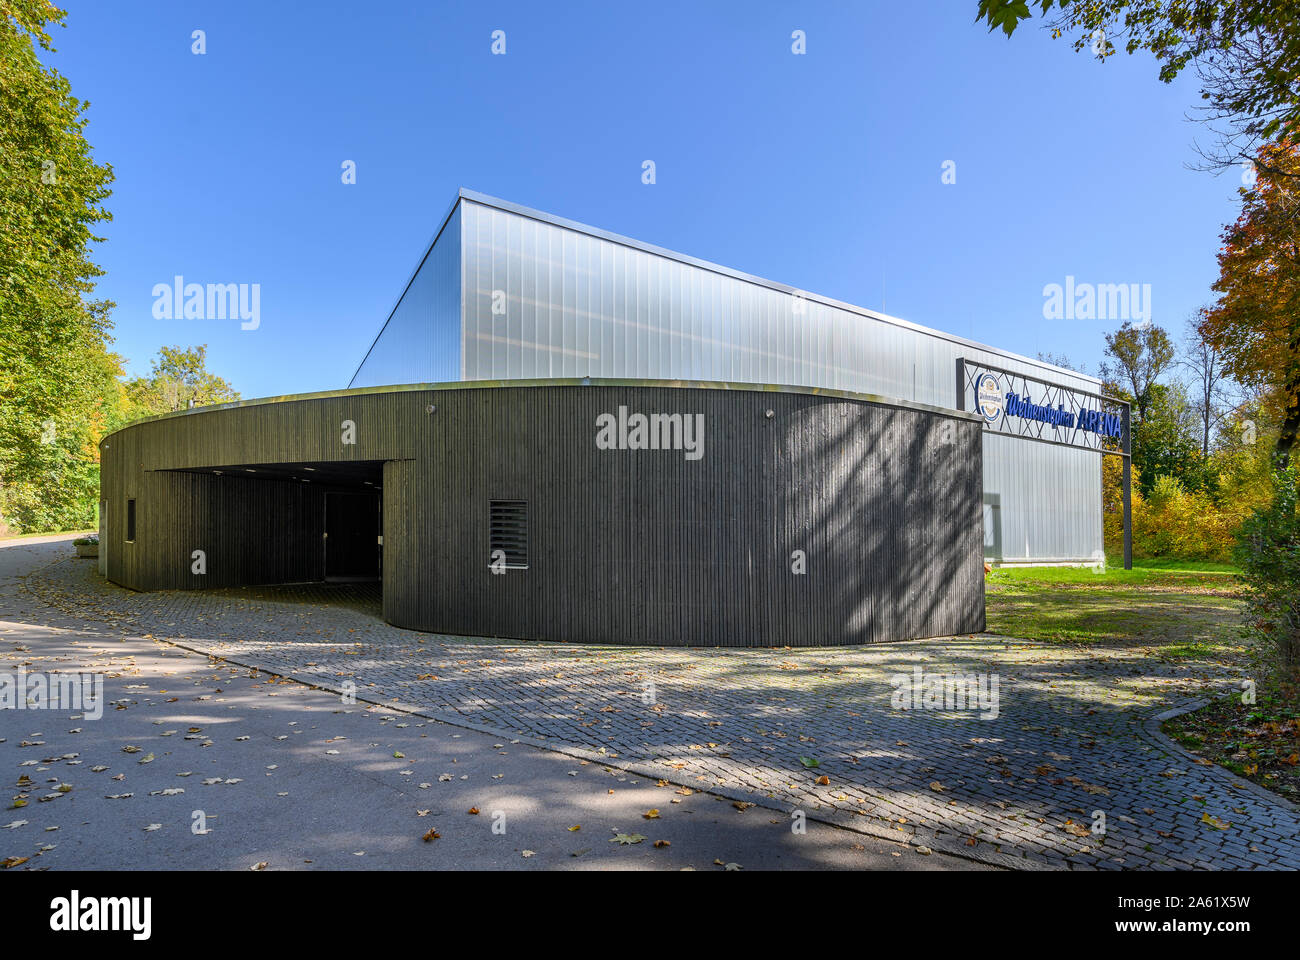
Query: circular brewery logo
x: 988, y: 394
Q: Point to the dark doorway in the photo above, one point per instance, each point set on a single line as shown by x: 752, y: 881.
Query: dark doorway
x: 353, y: 526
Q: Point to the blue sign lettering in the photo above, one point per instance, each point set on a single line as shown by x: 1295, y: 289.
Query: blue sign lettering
x: 1092, y: 421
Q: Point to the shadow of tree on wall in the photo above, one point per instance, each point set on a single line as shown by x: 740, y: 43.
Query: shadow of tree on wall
x: 889, y: 500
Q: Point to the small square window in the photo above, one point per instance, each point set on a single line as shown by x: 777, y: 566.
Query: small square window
x: 508, y: 533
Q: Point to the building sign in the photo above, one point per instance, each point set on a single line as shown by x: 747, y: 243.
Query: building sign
x: 1094, y: 421
x: 1024, y: 406
x: 988, y: 395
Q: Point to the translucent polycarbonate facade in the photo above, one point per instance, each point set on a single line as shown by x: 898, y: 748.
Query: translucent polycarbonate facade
x: 1042, y: 503
x: 420, y: 343
x: 570, y: 304
x: 540, y: 297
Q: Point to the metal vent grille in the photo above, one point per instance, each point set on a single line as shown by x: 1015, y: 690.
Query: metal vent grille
x: 508, y: 532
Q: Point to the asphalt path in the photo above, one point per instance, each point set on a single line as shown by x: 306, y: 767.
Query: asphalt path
x: 198, y: 765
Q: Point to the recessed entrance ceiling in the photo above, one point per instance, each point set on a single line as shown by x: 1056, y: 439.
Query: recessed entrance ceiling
x: 358, y: 473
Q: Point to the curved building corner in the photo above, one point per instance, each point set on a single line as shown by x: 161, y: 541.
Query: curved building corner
x: 633, y: 513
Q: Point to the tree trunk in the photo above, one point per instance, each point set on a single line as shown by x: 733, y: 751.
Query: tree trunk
x: 1286, y: 439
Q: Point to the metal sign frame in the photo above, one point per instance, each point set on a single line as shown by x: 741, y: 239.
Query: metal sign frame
x: 1069, y: 400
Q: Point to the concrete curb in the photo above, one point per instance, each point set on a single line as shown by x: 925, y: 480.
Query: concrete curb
x: 1150, y: 726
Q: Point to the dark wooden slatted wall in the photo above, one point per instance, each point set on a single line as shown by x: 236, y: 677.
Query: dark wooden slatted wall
x: 624, y: 546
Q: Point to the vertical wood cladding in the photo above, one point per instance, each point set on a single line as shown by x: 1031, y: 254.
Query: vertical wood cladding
x: 880, y: 504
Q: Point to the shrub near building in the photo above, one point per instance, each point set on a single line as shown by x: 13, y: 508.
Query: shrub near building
x: 1175, y: 522
x: 1269, y: 556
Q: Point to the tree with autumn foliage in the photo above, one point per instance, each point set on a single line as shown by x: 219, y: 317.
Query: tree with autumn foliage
x: 1256, y: 326
x: 1256, y: 322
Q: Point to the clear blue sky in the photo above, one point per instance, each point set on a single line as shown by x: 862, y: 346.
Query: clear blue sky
x: 822, y: 171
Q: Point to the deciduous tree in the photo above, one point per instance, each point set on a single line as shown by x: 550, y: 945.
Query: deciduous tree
x: 1246, y: 54
x: 55, y: 367
x: 1141, y: 353
x: 179, y: 379
x: 1204, y: 363
x: 1256, y: 322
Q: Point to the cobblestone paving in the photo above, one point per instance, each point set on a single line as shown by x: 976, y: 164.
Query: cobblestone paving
x: 1073, y: 736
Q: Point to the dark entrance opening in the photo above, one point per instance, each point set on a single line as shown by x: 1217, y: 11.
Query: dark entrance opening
x: 296, y: 523
x: 353, y: 527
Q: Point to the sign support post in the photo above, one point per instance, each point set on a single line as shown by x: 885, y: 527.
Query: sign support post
x: 1128, y: 490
